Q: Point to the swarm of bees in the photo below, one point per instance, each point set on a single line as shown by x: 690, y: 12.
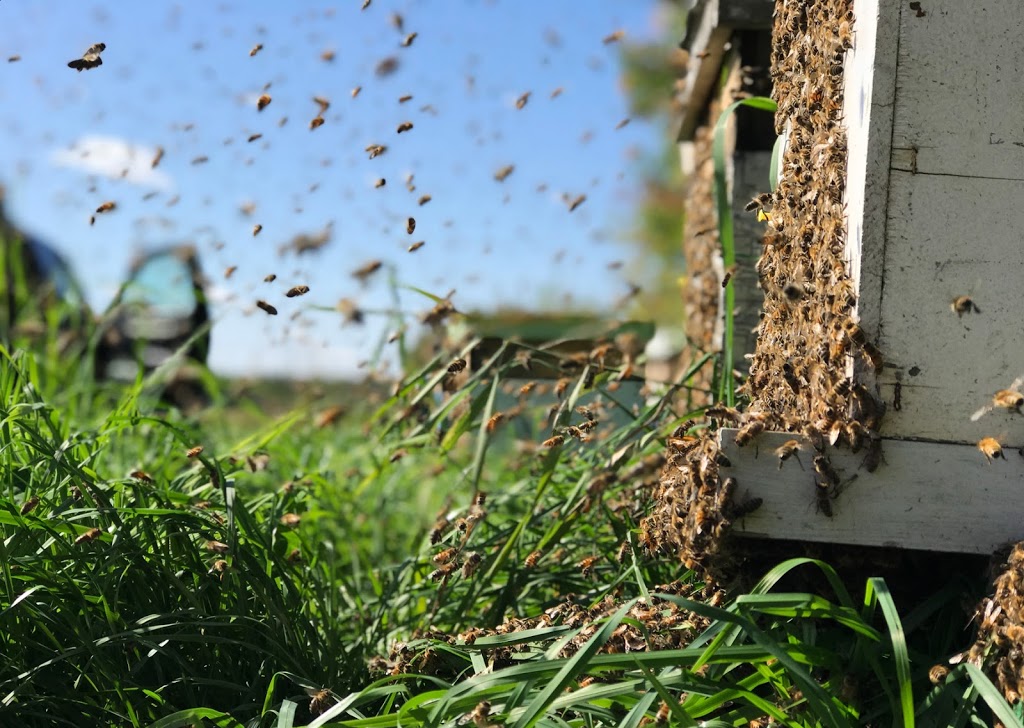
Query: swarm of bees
x: 999, y: 646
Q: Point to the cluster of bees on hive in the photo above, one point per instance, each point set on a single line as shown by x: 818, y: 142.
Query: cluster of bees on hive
x: 809, y: 342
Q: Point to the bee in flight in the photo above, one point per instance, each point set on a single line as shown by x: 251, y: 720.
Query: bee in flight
x: 90, y: 59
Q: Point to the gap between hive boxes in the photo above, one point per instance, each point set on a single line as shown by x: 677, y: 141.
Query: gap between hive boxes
x: 924, y: 495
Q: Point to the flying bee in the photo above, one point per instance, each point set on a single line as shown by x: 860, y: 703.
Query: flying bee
x: 291, y: 520
x: 937, y: 674
x: 576, y: 202
x: 749, y: 431
x: 319, y: 700
x: 991, y: 448
x: 788, y: 449
x: 255, y: 49
x: 404, y: 127
x: 964, y: 304
x: 522, y: 100
x: 614, y: 37
x: 375, y: 150
x: 366, y: 270
x: 456, y: 366
x: 502, y: 174
x: 494, y: 421
x: 857, y: 337
x: 90, y: 59
x: 480, y: 714
x: 555, y: 441
x: 297, y: 291
x: 622, y: 124
x: 217, y: 547
x: 107, y: 206
x: 194, y: 452
x: 270, y: 278
x: 157, y: 156
x: 729, y: 273
x: 356, y: 90
x: 471, y: 564
x: 263, y: 102
x: 254, y: 137
x: 724, y: 413
x: 663, y: 714
x: 91, y: 535
x: 424, y: 199
x: 410, y: 225
x: 532, y: 559
x: 316, y: 122
x: 403, y: 99
x: 256, y: 229
x: 141, y: 475
x: 29, y: 505
x: 1009, y: 399
x: 266, y: 307
x: 823, y: 467
x: 407, y: 40
x: 586, y: 566
x: 760, y: 202
x: 416, y: 246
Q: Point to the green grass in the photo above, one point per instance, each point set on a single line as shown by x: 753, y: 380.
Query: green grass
x: 141, y: 586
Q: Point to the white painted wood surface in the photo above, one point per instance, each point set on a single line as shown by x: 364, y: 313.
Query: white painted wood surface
x: 935, y: 112
x: 930, y: 496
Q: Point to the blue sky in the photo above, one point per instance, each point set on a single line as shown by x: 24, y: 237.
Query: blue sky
x: 180, y: 75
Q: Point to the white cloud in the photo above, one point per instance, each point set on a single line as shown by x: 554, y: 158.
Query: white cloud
x: 114, y: 158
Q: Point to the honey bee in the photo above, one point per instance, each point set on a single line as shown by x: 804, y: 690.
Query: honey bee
x: 443, y: 572
x: 502, y: 174
x: 375, y: 150
x: 873, y: 456
x: 991, y: 448
x: 201, y: 159
x: 410, y: 225
x: 521, y: 101
x: 320, y: 700
x: 576, y: 202
x: 107, y: 206
x: 532, y: 559
x: 255, y: 49
x: 366, y: 270
x: 424, y: 199
x: 823, y: 467
x: 918, y: 12
x: 729, y: 273
x: 194, y: 452
x: 964, y: 304
x: 291, y: 520
x: 217, y: 547
x: 263, y: 102
x: 270, y: 278
x: 157, y: 156
x: 407, y: 40
x: 398, y: 455
x: 1009, y: 399
x: 624, y: 549
x: 297, y: 291
x: 471, y: 564
x: 13, y: 59
x: 316, y: 122
x: 788, y: 449
x: 586, y: 566
x: 90, y: 59
x: 403, y: 99
x: 662, y: 716
x: 404, y: 126
x: 823, y: 498
x: 614, y: 37
x: 443, y: 557
x: 857, y: 337
x: 622, y: 124
x: 749, y: 431
x: 356, y: 90
x: 142, y: 475
x: 256, y: 229
x: 91, y: 535
x: 386, y: 66
x: 724, y: 413
x: 555, y: 441
x: 254, y: 137
x: 794, y: 291
x: 416, y: 246
x: 266, y: 307
x: 366, y: 4
x: 456, y: 366
x: 480, y: 714
x: 937, y: 674
x: 29, y: 505
x: 494, y: 421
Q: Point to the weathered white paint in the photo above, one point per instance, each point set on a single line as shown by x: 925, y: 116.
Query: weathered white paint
x: 931, y: 496
x: 869, y: 89
x: 952, y: 236
x: 960, y: 88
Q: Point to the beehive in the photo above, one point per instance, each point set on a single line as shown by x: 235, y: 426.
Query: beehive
x: 898, y: 194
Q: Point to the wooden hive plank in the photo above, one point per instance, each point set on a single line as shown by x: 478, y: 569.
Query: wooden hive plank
x: 929, y: 496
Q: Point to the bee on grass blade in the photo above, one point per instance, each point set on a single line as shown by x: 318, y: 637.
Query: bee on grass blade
x: 90, y: 59
x: 266, y: 307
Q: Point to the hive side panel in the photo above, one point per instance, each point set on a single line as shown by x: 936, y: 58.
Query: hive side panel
x: 960, y: 90
x: 948, y: 237
x: 930, y: 496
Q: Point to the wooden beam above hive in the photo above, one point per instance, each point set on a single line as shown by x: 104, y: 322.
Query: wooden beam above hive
x: 924, y: 495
